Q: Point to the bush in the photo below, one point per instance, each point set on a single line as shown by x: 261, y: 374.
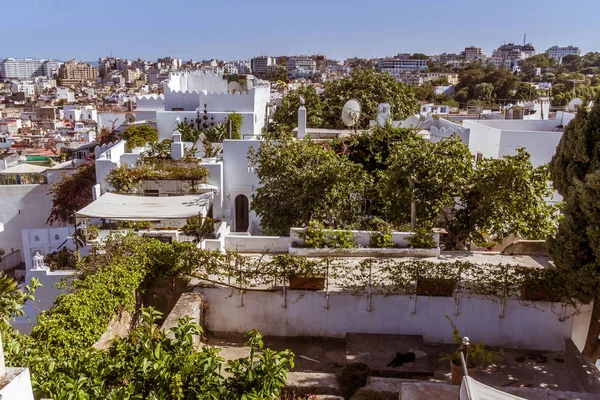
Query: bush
x: 368, y: 395
x: 422, y: 239
x: 316, y: 237
x: 354, y: 376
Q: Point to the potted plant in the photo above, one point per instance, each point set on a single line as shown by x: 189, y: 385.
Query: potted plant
x: 92, y: 232
x: 301, y: 273
x: 475, y: 355
x: 210, y: 152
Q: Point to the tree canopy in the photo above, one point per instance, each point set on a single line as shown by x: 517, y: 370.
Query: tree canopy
x: 72, y: 193
x: 324, y: 110
x: 303, y: 180
x: 575, y: 171
x: 139, y: 135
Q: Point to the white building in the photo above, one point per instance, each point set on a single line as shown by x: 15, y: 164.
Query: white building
x: 28, y: 68
x: 473, y: 53
x: 80, y: 113
x: 558, y: 52
x: 27, y: 87
x: 260, y: 65
x: 499, y: 138
x: 65, y: 94
x: 301, y: 66
x: 397, y: 66
x: 186, y: 94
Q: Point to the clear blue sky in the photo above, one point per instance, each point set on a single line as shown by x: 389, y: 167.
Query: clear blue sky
x: 235, y: 29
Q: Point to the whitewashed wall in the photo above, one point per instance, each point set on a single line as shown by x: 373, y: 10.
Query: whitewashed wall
x: 363, y: 238
x: 22, y: 207
x: 259, y: 244
x: 541, y: 146
x: 305, y: 315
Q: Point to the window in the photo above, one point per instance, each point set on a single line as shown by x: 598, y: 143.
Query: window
x: 56, y: 237
x: 479, y: 157
x: 36, y: 238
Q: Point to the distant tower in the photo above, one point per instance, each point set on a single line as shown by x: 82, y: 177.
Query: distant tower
x: 524, y: 39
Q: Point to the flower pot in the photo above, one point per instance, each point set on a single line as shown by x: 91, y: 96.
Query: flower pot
x: 209, y: 160
x: 457, y: 373
x: 436, y: 287
x: 304, y: 283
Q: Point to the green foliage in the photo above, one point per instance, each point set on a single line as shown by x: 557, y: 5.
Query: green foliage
x: 63, y: 259
x: 504, y: 196
x: 127, y: 179
x: 370, y: 88
x: 431, y: 174
x: 575, y: 172
x: 366, y: 85
x: 383, y: 237
x: 236, y: 120
x: 139, y: 135
x: 160, y: 150
x: 134, y: 225
x: 285, y: 118
x: 303, y: 180
x: 198, y: 227
x: 71, y: 193
x: 479, y: 83
x: 422, y: 239
x: 316, y: 236
x: 476, y: 354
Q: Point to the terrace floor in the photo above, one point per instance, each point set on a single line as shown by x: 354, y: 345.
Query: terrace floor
x: 516, y: 367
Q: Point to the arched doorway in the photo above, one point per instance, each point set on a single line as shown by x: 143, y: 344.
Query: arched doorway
x: 241, y: 213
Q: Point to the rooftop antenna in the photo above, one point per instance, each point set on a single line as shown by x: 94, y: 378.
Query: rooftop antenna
x: 351, y: 113
x: 524, y: 39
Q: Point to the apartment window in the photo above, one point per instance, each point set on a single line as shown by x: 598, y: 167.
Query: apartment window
x: 479, y: 157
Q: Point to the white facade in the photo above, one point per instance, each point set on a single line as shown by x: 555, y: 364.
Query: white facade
x: 80, y: 113
x: 186, y: 93
x: 260, y: 65
x: 397, y: 66
x: 65, y: 94
x: 499, y: 138
x: 22, y: 86
x: 558, y: 52
x: 27, y: 68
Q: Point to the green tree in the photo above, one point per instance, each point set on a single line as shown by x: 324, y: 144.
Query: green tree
x: 139, y: 135
x: 423, y: 178
x: 504, y: 196
x: 483, y: 91
x: 575, y: 171
x: 302, y: 180
x: 370, y: 88
x: 71, y: 193
x: 285, y: 118
x: 235, y: 120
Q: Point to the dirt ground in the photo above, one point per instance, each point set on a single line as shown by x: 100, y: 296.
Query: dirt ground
x: 515, y: 368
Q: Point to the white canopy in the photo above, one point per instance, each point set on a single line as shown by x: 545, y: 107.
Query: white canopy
x: 473, y: 390
x: 24, y: 169
x: 146, y: 208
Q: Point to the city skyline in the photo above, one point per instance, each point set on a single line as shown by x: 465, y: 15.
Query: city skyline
x: 338, y: 30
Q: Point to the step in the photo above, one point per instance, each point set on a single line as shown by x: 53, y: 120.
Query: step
x: 378, y: 350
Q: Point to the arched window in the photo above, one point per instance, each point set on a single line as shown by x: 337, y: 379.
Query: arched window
x: 56, y: 237
x: 36, y: 238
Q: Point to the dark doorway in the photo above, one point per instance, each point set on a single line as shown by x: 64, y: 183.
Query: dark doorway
x: 241, y: 213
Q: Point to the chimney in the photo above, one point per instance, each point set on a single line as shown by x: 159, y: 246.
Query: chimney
x: 176, y: 146
x: 301, y: 121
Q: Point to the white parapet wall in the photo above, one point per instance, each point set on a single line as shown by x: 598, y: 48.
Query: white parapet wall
x: 363, y: 238
x: 257, y: 244
x: 531, y: 326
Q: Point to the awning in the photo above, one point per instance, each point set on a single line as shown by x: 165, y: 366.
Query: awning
x: 24, y: 169
x: 470, y: 389
x: 147, y: 208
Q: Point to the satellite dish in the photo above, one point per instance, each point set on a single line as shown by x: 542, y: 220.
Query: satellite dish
x: 130, y: 118
x: 351, y: 112
x: 411, y: 122
x: 234, y: 87
x: 573, y: 104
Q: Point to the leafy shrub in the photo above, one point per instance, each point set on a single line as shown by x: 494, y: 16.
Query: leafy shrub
x: 134, y: 225
x: 422, y: 239
x: 368, y: 395
x: 316, y: 237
